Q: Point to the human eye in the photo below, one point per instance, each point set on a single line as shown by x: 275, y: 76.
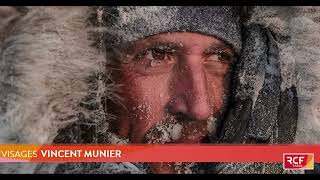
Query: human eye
x: 157, y: 55
x: 222, y: 56
x: 217, y: 61
x: 155, y: 58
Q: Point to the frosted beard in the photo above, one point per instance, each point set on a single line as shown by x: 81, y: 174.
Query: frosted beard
x: 177, y: 130
x: 171, y: 131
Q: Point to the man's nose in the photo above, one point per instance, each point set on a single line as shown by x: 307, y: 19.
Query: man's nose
x: 190, y: 90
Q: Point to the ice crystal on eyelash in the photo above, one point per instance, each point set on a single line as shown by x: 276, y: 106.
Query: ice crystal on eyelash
x: 154, y: 63
x: 149, y: 55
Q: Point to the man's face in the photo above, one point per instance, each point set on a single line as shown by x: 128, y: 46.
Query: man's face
x: 173, y: 87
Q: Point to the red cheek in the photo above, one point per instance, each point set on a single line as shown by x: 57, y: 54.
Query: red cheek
x: 145, y: 99
x: 216, y: 88
x: 217, y: 96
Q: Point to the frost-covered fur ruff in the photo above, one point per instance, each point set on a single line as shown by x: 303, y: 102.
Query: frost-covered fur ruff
x: 298, y: 29
x: 47, y: 57
x: 45, y: 61
x: 49, y: 65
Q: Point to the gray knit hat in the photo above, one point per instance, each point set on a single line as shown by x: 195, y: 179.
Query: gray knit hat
x: 126, y: 24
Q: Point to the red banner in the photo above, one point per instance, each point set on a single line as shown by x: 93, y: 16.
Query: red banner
x: 152, y: 153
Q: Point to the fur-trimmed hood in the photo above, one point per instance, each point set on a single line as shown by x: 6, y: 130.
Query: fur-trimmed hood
x: 52, y: 74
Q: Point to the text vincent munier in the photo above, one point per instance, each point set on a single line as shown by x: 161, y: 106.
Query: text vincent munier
x: 82, y: 153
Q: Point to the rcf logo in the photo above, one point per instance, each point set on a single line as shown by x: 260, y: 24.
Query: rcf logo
x: 298, y: 161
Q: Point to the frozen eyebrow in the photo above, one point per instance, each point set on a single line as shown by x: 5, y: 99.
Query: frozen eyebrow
x: 166, y: 47
x: 219, y: 48
x: 163, y: 46
x: 153, y: 45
